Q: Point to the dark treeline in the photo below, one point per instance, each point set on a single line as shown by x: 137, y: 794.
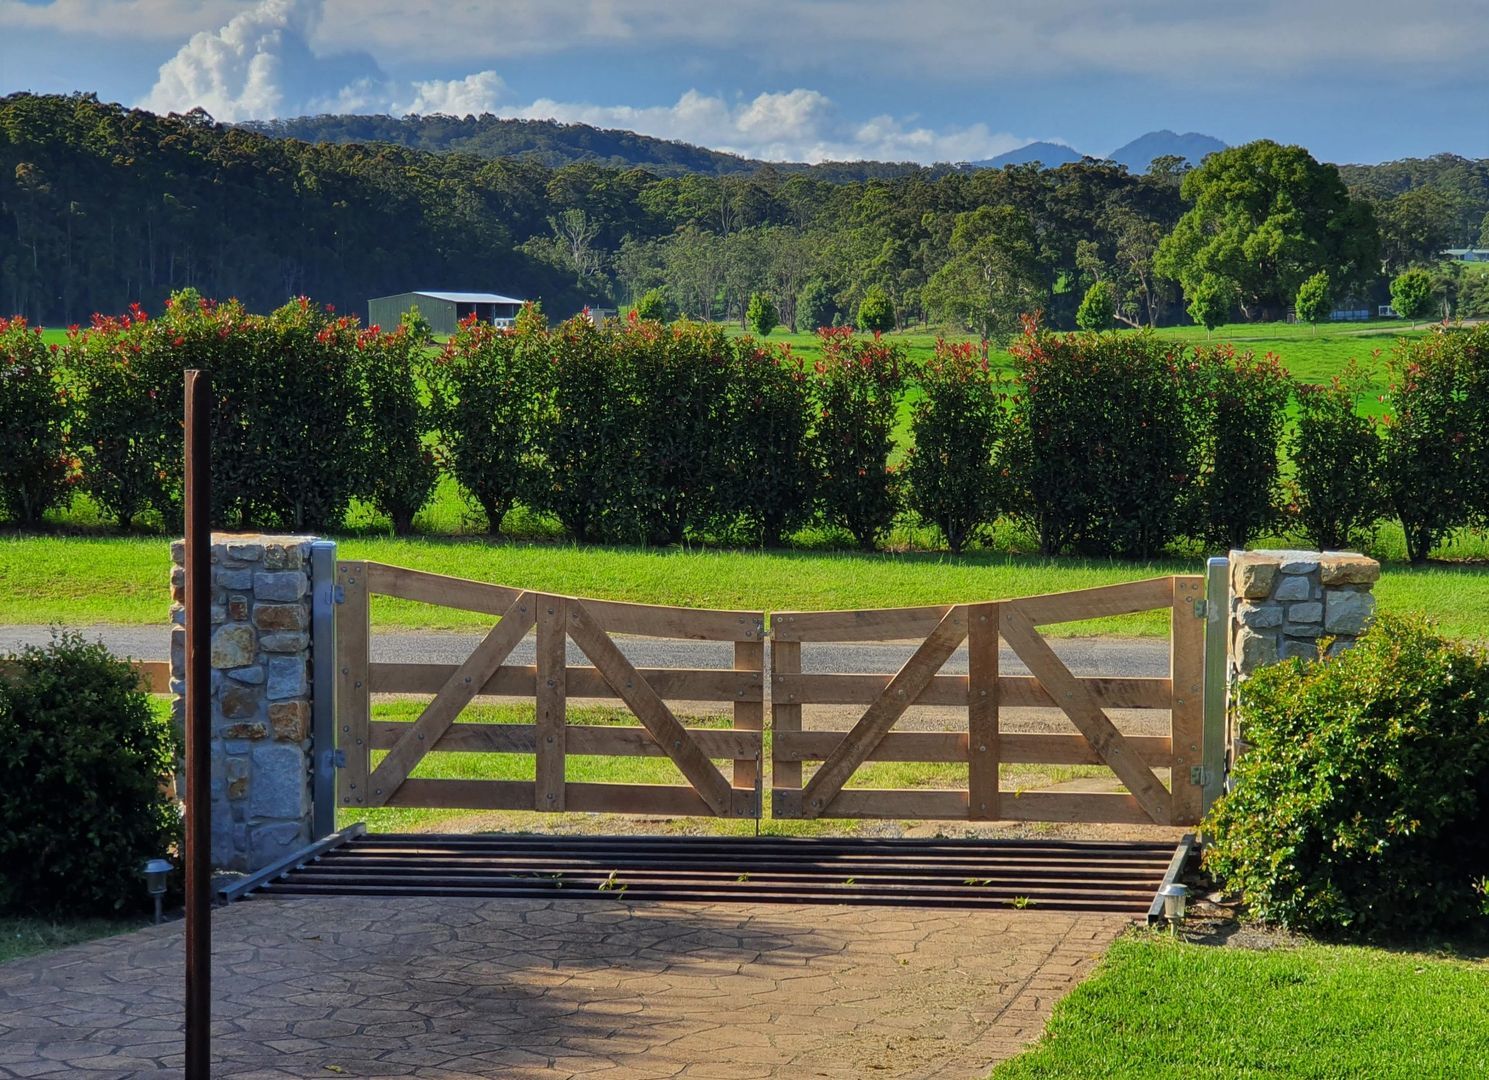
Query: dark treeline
x: 101, y: 206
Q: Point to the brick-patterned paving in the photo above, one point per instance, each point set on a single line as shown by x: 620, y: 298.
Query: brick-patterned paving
x: 502, y: 988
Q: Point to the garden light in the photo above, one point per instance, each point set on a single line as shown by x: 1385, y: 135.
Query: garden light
x: 1174, y: 898
x: 155, y: 873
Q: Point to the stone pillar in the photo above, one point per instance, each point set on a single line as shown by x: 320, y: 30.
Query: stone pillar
x: 1284, y: 602
x: 261, y: 760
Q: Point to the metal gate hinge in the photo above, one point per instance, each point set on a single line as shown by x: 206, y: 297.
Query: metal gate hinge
x: 1199, y: 775
x: 338, y: 595
x: 1201, y: 607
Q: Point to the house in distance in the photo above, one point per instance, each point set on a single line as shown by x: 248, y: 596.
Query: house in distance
x: 443, y: 310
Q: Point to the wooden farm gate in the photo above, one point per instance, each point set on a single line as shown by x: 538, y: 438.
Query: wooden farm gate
x: 550, y: 681
x: 982, y: 691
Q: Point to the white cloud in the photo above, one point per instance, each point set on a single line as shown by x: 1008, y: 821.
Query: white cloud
x: 261, y: 65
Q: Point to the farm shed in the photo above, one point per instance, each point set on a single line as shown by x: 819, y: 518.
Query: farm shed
x: 443, y: 310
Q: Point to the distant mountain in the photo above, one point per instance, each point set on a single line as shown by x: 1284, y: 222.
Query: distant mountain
x: 553, y: 144
x: 1050, y: 155
x: 1140, y: 152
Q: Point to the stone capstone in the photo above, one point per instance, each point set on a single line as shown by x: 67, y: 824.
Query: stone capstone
x: 1252, y: 576
x: 1347, y: 568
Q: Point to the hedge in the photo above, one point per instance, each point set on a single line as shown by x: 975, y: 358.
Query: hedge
x: 1113, y: 444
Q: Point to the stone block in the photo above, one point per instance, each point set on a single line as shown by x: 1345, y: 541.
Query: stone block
x: 281, y: 617
x: 1298, y: 562
x: 252, y: 675
x: 240, y: 702
x: 280, y: 781
x: 284, y: 642
x: 1309, y: 612
x: 1348, y: 568
x: 235, y: 768
x: 287, y: 677
x: 1259, y: 616
x: 1347, y: 611
x: 1295, y: 587
x: 245, y: 551
x: 1252, y: 574
x: 269, y: 843
x: 219, y: 614
x: 290, y: 720
x: 279, y: 585
x: 237, y: 607
x: 237, y: 789
x: 1303, y: 629
x: 233, y: 646
x: 243, y: 729
x: 1254, y: 649
x: 237, y: 580
x: 178, y: 552
x: 1292, y: 647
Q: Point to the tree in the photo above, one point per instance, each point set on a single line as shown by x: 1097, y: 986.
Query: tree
x: 654, y: 305
x: 994, y: 274
x: 1312, y: 304
x: 875, y: 312
x: 574, y: 233
x: 1411, y: 295
x: 1484, y: 232
x: 814, y: 306
x: 1210, y: 302
x: 1415, y: 226
x: 1264, y: 218
x: 1099, y: 307
x: 762, y: 314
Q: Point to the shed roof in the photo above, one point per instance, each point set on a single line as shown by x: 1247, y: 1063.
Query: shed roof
x: 468, y: 297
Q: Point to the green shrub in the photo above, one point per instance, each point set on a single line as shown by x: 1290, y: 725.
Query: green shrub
x: 761, y: 315
x: 815, y: 307
x: 857, y: 393
x: 1412, y: 294
x: 35, y: 468
x: 1099, y: 446
x: 952, y: 470
x: 487, y: 392
x: 1098, y: 308
x: 1359, y: 807
x: 1435, y: 450
x: 655, y: 306
x: 1336, y: 457
x: 768, y: 479
x: 875, y: 312
x: 1239, y: 404
x: 82, y: 805
x: 399, y: 471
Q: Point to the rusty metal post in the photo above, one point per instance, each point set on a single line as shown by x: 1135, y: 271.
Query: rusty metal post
x: 198, y: 726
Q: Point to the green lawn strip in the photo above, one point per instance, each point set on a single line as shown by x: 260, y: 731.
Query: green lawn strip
x: 79, y: 581
x: 20, y: 936
x: 1161, y: 1008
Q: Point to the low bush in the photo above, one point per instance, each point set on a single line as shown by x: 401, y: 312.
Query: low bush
x: 82, y: 803
x: 1100, y: 446
x: 953, y: 469
x: 1336, y: 456
x: 857, y: 392
x: 399, y: 470
x: 36, y: 470
x: 1358, y: 808
x: 1238, y: 405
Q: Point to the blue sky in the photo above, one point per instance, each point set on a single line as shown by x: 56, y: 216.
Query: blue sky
x: 932, y: 80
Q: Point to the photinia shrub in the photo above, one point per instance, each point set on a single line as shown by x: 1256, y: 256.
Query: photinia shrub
x: 399, y: 470
x: 1358, y: 807
x: 36, y: 469
x: 1238, y: 404
x: 952, y: 469
x: 1100, y: 445
x: 488, y: 391
x: 1336, y: 455
x: 857, y: 390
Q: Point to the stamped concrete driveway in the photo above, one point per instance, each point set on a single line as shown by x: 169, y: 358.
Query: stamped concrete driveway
x: 479, y: 988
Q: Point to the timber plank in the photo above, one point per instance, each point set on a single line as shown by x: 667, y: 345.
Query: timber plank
x: 982, y: 712
x: 677, y: 684
x: 749, y: 715
x: 454, y: 696
x: 353, y: 689
x: 699, y: 624
x: 1128, y: 598
x: 881, y: 624
x: 1014, y: 691
x: 439, y: 589
x: 785, y: 714
x: 1015, y: 748
x: 581, y: 739
x: 1187, y: 673
x: 552, y: 702
x: 1087, y: 716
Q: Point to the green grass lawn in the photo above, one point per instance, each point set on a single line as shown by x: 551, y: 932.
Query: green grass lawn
x: 1158, y: 1008
x: 26, y: 936
x: 81, y: 580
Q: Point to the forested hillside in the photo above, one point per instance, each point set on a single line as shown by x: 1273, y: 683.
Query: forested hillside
x: 101, y: 206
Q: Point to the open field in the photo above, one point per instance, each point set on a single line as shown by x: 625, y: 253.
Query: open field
x: 79, y: 581
x: 1160, y: 1008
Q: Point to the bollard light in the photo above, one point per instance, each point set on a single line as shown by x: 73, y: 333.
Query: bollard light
x: 155, y: 873
x: 1174, y: 898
